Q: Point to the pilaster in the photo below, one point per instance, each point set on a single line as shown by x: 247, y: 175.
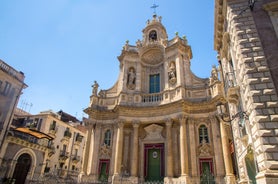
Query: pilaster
x: 134, y: 168
x: 119, y: 149
x: 169, y: 169
x: 230, y: 178
x: 95, y: 151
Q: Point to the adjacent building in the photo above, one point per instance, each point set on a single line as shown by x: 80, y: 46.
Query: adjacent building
x: 245, y: 37
x: 11, y: 86
x: 44, y: 147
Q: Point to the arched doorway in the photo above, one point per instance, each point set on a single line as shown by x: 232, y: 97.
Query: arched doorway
x: 22, y: 168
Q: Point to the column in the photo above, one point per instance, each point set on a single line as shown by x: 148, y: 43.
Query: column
x: 119, y: 149
x: 169, y: 170
x: 230, y: 178
x: 183, y: 147
x: 89, y: 151
x: 134, y: 168
x: 192, y: 153
x: 219, y: 171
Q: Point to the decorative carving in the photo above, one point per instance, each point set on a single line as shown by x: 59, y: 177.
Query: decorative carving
x: 204, y: 149
x: 102, y: 94
x: 214, y: 76
x: 105, y: 151
x: 154, y: 132
x: 131, y: 78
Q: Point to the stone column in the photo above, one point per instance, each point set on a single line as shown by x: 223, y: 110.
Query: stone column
x: 134, y: 167
x: 230, y: 178
x: 119, y: 149
x: 194, y: 163
x: 219, y: 171
x: 183, y: 147
x: 183, y: 150
x: 169, y: 170
x: 87, y: 154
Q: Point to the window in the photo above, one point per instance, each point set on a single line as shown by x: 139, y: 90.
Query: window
x: 153, y: 35
x: 154, y: 83
x: 107, y: 138
x: 53, y: 125
x: 7, y: 88
x: 203, y: 134
x: 75, y: 153
x: 64, y: 150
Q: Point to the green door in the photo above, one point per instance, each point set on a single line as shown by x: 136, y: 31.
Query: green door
x: 153, y: 165
x: 103, y: 176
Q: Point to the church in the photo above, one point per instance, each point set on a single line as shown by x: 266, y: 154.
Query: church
x: 159, y: 121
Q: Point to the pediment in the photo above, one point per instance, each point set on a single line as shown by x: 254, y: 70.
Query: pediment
x: 153, y: 132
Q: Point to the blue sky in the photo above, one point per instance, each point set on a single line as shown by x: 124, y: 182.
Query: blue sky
x: 62, y: 46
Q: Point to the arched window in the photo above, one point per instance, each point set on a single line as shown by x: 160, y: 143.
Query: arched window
x: 107, y: 138
x: 203, y: 134
x: 153, y: 35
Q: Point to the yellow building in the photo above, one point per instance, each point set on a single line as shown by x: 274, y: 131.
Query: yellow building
x: 47, y: 147
x: 159, y: 121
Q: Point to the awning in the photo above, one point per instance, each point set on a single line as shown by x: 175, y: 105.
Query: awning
x: 35, y: 133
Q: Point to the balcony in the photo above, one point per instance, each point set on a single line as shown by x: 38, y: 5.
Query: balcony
x: 152, y: 97
x: 75, y: 159
x: 51, y: 149
x: 231, y: 88
x: 53, y: 129
x: 64, y: 155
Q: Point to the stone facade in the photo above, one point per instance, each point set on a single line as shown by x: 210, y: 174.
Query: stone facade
x: 246, y: 40
x: 159, y: 121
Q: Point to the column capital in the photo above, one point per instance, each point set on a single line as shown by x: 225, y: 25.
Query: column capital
x: 135, y: 124
x: 183, y: 117
x: 169, y: 122
x: 119, y: 123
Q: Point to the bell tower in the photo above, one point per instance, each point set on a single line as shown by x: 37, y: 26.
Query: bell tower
x: 155, y: 64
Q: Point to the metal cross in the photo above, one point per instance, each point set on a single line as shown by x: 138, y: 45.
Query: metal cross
x: 154, y: 6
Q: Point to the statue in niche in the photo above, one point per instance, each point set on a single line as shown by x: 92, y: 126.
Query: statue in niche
x: 131, y: 78
x: 172, y: 73
x: 95, y: 88
x: 214, y: 75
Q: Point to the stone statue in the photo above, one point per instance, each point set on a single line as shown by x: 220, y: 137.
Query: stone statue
x: 95, y: 88
x: 214, y: 75
x: 172, y: 73
x: 131, y: 78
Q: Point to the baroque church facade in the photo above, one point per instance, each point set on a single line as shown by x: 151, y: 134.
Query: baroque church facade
x: 159, y: 121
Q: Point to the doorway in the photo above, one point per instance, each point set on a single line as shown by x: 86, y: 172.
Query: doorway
x: 154, y: 162
x: 22, y: 168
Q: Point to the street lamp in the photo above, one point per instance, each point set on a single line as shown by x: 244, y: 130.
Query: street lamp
x: 221, y: 110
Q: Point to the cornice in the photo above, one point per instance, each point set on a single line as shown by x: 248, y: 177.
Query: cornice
x: 179, y: 107
x: 218, y: 23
